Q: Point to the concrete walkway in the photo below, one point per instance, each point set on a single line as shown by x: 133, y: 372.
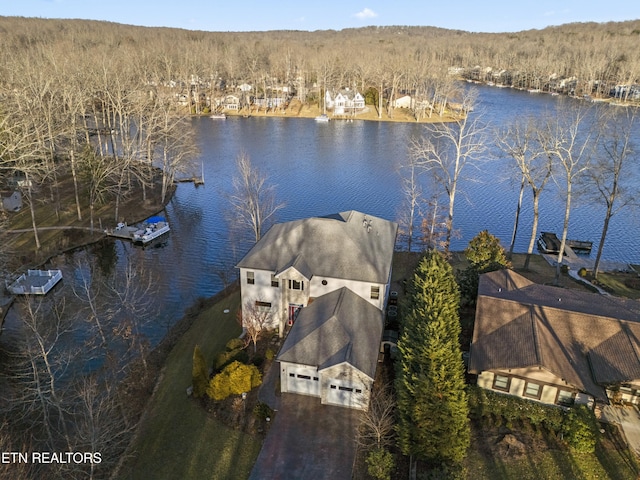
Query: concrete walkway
x: 628, y: 417
x: 576, y: 262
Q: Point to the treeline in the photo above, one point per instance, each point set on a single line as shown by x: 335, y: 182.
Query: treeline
x: 597, y: 54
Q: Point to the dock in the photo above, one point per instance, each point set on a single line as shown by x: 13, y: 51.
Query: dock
x: 548, y: 242
x: 122, y: 231
x: 35, y: 282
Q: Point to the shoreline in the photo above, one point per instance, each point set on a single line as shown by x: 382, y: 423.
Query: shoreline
x: 298, y: 110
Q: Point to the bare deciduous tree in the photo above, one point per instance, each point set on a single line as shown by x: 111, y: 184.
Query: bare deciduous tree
x: 253, y: 200
x: 446, y: 149
x: 611, y: 176
x: 568, y: 139
x: 520, y: 141
x: 255, y: 319
x: 377, y: 423
x: 410, y: 210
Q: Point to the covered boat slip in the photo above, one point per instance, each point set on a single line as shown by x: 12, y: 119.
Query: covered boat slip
x: 35, y: 282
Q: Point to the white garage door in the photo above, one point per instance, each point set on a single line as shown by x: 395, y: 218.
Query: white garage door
x: 346, y: 394
x: 304, y: 380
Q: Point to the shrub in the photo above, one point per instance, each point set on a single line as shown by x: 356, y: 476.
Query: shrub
x: 380, y: 463
x: 580, y: 429
x: 257, y: 361
x: 219, y: 387
x: 445, y: 471
x: 235, y: 378
x: 582, y: 273
x: 235, y: 344
x: 269, y: 354
x: 484, y: 404
x: 262, y: 411
x: 225, y: 358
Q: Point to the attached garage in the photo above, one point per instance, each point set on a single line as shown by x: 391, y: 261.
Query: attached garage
x: 347, y: 395
x: 332, y: 349
x: 302, y: 380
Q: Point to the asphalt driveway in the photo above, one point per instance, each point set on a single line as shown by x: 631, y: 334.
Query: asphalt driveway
x: 308, y: 440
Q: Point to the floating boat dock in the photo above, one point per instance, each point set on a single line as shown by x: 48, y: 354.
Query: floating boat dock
x: 144, y: 233
x: 35, y: 282
x: 548, y: 242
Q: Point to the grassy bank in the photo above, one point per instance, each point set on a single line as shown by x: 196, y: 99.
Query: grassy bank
x: 176, y: 437
x: 298, y: 110
x: 59, y: 229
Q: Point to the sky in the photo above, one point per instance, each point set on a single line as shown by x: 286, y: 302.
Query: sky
x: 261, y: 15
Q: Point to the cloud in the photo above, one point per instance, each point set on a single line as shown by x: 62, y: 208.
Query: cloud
x: 366, y: 13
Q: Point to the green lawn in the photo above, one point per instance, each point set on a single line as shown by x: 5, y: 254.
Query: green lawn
x: 614, y: 283
x: 176, y: 438
x: 606, y: 463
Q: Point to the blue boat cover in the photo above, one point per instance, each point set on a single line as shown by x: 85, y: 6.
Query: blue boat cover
x: 155, y: 219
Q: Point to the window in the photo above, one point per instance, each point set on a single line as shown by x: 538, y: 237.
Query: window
x: 275, y: 282
x: 296, y: 285
x: 375, y: 292
x: 345, y: 389
x: 251, y: 278
x: 358, y: 390
x: 565, y: 398
x: 533, y: 390
x: 306, y: 377
x: 500, y: 382
x: 263, y: 306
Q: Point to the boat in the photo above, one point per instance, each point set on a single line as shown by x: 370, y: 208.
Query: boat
x: 322, y: 118
x: 218, y: 116
x: 150, y: 229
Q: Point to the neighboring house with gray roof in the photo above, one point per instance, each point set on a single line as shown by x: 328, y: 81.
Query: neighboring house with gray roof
x: 554, y: 345
x: 339, y: 262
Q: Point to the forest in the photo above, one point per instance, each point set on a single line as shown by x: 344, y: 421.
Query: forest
x: 102, y: 107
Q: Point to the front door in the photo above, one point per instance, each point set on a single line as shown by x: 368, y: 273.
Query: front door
x: 294, y: 309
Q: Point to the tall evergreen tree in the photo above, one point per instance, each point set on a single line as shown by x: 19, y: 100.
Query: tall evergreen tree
x: 199, y: 373
x: 432, y: 402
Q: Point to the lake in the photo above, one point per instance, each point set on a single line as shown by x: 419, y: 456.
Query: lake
x: 322, y: 168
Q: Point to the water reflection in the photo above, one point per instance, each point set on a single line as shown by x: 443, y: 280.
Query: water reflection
x: 321, y: 169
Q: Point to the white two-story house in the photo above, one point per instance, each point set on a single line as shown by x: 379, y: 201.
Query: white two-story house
x: 342, y: 264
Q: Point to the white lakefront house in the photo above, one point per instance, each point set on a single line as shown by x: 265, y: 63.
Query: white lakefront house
x: 327, y: 278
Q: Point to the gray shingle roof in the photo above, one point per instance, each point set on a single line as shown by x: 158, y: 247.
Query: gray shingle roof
x: 349, y: 245
x: 337, y: 327
x: 587, y: 339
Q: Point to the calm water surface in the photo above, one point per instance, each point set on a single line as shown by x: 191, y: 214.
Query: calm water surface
x: 327, y: 168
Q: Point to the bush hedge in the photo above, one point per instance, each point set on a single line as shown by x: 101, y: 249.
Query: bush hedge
x: 578, y: 425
